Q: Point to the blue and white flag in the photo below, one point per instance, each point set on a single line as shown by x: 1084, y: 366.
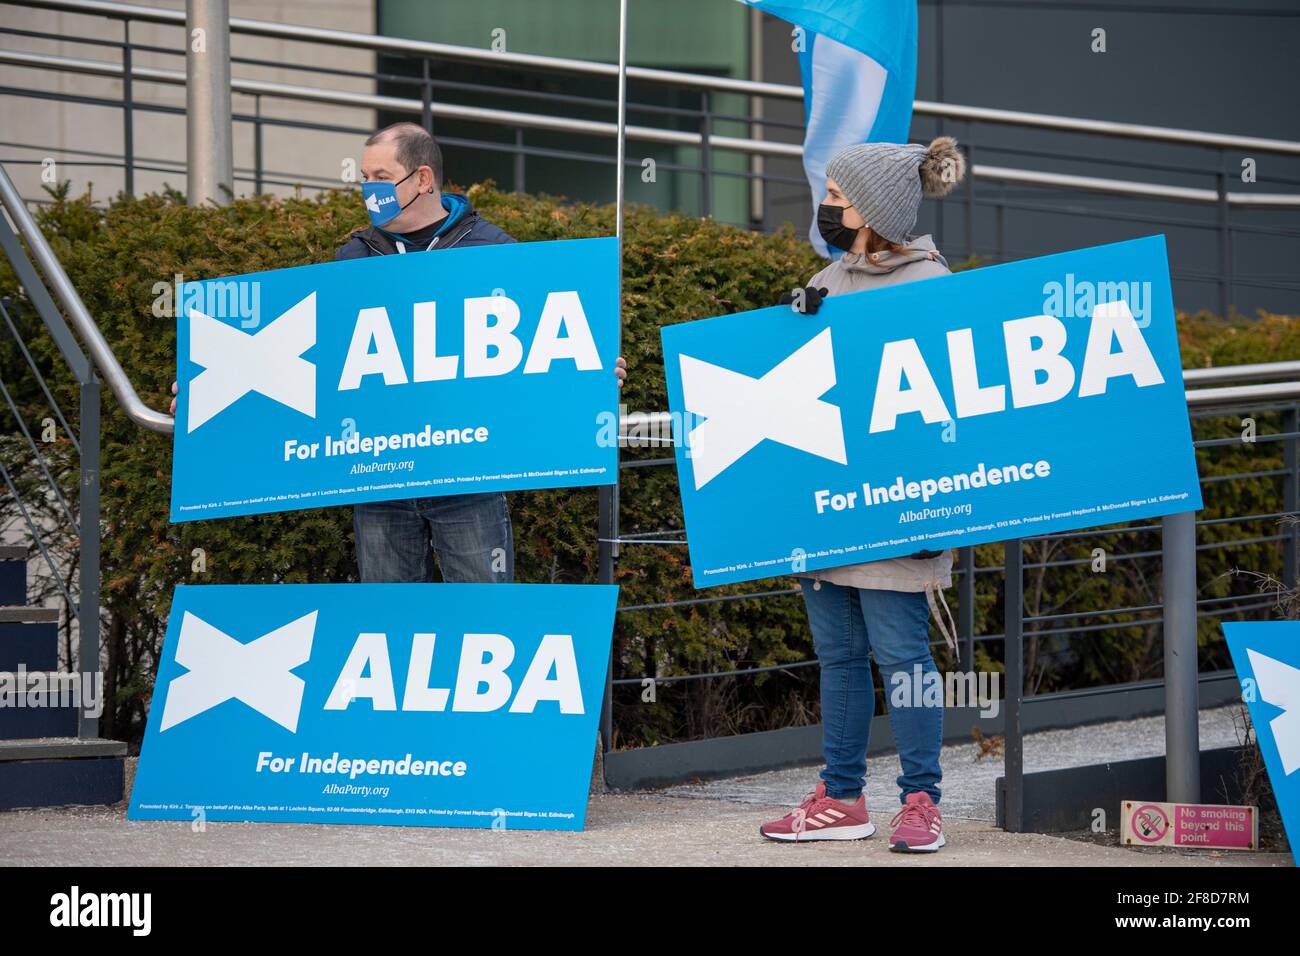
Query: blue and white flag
x: 858, y: 60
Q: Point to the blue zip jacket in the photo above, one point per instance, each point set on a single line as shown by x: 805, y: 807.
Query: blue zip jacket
x: 462, y: 227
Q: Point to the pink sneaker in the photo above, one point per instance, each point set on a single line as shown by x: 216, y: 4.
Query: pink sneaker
x: 918, y: 827
x: 821, y: 818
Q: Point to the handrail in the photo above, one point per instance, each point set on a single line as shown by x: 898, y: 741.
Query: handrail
x: 1273, y: 391
x: 293, y: 32
x: 1240, y: 373
x: 101, y: 353
x: 404, y: 104
x: 653, y: 425
x: 515, y: 118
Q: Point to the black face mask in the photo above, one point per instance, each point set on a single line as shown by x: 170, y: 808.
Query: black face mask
x: 830, y: 223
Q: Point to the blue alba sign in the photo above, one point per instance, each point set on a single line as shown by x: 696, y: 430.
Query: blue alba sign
x: 1020, y: 399
x: 456, y: 705
x: 471, y: 370
x: 1266, y: 655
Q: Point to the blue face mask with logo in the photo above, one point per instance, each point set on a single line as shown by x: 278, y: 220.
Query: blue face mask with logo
x: 381, y: 199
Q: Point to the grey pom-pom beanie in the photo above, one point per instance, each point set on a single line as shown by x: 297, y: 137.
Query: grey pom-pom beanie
x: 885, y: 181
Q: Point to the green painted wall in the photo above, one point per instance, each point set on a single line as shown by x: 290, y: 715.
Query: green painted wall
x: 706, y: 36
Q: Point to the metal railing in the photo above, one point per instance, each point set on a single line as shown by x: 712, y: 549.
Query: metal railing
x: 692, y: 128
x: 1218, y: 388
x: 101, y: 354
x: 1181, y: 607
x: 740, y: 144
x: 85, y: 523
x: 1272, y: 387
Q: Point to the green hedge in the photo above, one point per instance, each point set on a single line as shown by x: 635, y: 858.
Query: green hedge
x: 676, y: 269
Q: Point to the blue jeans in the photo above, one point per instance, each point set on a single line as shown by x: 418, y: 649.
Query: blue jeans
x: 396, y: 540
x: 894, y: 626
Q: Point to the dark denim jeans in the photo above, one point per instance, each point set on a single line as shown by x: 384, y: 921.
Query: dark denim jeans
x: 471, y: 535
x: 894, y: 626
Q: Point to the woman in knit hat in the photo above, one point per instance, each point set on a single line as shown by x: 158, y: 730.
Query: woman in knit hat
x: 873, y: 193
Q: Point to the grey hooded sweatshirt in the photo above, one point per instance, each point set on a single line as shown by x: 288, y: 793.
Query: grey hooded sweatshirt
x: 857, y: 273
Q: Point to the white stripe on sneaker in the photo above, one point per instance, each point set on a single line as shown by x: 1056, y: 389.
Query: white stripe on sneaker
x: 845, y: 832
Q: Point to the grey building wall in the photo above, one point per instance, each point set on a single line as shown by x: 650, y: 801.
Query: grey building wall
x: 85, y: 140
x: 1179, y: 63
x: 1176, y: 63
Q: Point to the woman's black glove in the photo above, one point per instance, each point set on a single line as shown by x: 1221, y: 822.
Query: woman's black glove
x: 925, y: 555
x: 806, y: 300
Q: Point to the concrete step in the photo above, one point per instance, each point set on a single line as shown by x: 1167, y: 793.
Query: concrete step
x: 29, y: 636
x: 22, y: 614
x: 41, y: 704
x: 43, y: 772
x: 59, y: 748
x: 13, y: 575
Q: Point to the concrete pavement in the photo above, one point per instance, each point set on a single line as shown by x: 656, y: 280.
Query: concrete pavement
x: 642, y: 829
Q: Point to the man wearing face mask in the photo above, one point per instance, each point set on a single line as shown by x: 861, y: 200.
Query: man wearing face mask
x: 401, y: 166
x: 470, y: 534
x: 401, y: 169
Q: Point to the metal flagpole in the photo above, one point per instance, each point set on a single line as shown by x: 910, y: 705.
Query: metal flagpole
x: 209, y: 153
x: 621, y: 146
x: 607, y: 507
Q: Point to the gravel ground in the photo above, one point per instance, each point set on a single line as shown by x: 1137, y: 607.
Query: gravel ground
x: 713, y: 824
x: 968, y: 783
x: 644, y: 829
